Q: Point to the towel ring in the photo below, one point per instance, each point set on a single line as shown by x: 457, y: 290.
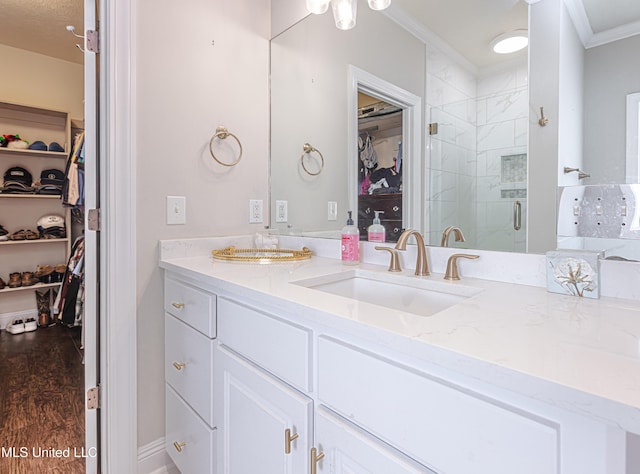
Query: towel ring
x: 306, y: 149
x: 222, y: 133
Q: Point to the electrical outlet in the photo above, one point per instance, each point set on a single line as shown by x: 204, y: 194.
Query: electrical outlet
x: 332, y: 211
x: 176, y: 210
x: 255, y: 211
x: 281, y: 211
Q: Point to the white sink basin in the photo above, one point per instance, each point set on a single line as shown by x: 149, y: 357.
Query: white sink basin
x: 404, y: 293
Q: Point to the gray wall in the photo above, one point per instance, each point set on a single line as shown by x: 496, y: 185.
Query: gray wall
x: 611, y: 72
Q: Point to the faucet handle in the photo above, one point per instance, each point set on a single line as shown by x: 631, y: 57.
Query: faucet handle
x: 452, y: 265
x: 394, y: 263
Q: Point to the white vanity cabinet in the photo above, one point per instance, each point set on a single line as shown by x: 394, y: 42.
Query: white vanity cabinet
x: 265, y: 426
x: 290, y: 392
x: 190, y: 322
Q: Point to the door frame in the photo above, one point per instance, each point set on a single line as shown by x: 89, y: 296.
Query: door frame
x: 117, y: 288
x: 411, y: 105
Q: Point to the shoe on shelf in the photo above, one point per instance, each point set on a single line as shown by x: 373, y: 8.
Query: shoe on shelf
x: 15, y: 280
x: 2, y: 284
x: 28, y: 279
x: 31, y: 235
x: 15, y: 327
x: 44, y: 273
x: 30, y: 325
x: 18, y: 235
x: 58, y: 273
x: 4, y: 234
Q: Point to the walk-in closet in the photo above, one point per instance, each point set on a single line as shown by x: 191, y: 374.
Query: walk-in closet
x: 380, y: 166
x: 42, y: 426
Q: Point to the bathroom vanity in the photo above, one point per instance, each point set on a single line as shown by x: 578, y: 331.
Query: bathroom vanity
x: 269, y: 370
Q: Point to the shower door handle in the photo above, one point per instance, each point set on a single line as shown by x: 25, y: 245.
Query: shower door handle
x: 517, y: 215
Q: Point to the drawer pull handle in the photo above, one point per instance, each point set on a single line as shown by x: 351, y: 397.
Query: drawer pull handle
x: 179, y: 365
x: 179, y: 446
x: 288, y: 438
x: 178, y: 305
x: 315, y: 457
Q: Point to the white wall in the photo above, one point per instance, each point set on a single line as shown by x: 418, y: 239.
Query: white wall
x: 34, y: 79
x: 544, y: 58
x: 309, y: 97
x: 611, y: 72
x: 199, y: 65
x: 570, y: 106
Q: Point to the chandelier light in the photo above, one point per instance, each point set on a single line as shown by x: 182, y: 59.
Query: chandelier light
x: 344, y: 11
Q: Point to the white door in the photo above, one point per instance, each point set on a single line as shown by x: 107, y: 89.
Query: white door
x: 264, y: 426
x: 91, y: 313
x: 350, y: 450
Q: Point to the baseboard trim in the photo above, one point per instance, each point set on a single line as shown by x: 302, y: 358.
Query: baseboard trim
x: 153, y: 459
x: 6, y: 318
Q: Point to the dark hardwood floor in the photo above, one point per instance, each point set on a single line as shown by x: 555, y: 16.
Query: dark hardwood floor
x: 41, y: 402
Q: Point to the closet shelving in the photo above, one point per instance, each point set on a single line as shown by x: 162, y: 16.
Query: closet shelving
x: 22, y: 211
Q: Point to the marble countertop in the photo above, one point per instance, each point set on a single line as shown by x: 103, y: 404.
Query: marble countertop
x: 582, y: 354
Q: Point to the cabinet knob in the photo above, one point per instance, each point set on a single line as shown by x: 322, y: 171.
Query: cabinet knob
x: 179, y: 365
x: 395, y: 208
x: 288, y: 438
x: 179, y: 446
x: 178, y: 305
x: 315, y: 458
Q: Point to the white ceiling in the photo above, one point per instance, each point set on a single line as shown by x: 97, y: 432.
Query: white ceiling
x: 40, y: 26
x: 467, y: 25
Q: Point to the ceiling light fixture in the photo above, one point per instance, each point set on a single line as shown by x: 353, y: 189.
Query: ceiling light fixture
x: 510, y: 42
x: 344, y: 11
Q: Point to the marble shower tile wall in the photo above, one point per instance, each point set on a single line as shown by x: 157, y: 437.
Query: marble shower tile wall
x: 451, y: 102
x: 502, y: 123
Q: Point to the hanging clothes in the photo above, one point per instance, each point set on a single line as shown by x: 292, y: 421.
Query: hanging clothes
x: 73, y: 187
x: 69, y: 304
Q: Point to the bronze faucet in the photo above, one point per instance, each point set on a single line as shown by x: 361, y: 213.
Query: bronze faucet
x: 422, y: 267
x: 452, y: 265
x: 456, y: 232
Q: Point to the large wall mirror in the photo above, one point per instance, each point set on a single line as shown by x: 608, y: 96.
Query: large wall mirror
x: 486, y: 161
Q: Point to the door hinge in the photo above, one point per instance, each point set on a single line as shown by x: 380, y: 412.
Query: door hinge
x: 93, y: 398
x: 93, y: 41
x: 433, y: 128
x: 93, y: 219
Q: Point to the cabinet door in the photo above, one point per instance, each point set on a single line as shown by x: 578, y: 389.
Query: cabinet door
x: 255, y: 410
x: 350, y: 450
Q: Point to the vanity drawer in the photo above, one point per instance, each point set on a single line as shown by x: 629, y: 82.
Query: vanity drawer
x: 441, y: 425
x: 195, y: 441
x: 192, y: 305
x: 189, y: 365
x: 276, y: 345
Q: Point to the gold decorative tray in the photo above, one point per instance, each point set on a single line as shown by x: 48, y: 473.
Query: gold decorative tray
x: 261, y: 255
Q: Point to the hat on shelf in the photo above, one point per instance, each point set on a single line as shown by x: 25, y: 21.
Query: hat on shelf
x: 38, y: 145
x: 50, y: 220
x: 17, y: 175
x: 52, y: 176
x: 55, y: 146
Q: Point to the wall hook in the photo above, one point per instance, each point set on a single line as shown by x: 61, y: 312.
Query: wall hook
x: 581, y: 174
x: 543, y: 120
x: 72, y: 29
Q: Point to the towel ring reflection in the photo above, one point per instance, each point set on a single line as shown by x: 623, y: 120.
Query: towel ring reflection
x: 307, y: 149
x: 222, y: 133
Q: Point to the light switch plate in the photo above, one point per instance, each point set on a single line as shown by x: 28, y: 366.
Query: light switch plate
x: 281, y: 211
x: 332, y: 211
x: 176, y: 210
x: 255, y: 211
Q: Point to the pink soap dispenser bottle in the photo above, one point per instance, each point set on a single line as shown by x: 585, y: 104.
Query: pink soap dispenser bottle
x: 350, y: 243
